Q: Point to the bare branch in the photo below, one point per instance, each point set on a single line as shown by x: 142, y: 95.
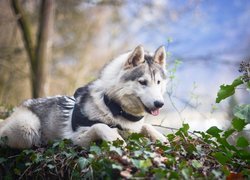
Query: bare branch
x: 25, y: 25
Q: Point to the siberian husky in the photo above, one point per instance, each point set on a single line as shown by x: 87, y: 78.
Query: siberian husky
x: 128, y: 87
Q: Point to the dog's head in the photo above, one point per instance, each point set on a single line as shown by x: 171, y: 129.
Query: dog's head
x: 142, y: 82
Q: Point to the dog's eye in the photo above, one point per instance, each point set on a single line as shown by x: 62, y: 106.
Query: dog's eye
x: 158, y: 82
x: 143, y: 82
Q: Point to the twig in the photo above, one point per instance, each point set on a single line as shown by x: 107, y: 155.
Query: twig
x: 24, y: 172
x: 176, y: 129
x: 176, y: 109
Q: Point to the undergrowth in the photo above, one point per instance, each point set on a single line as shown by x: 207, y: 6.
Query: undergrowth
x: 186, y: 156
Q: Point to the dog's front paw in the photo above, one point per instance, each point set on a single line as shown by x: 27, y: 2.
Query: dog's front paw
x: 153, y: 134
x: 160, y: 137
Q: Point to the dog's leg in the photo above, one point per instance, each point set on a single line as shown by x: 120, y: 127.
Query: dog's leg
x: 22, y: 129
x: 96, y: 132
x: 149, y: 131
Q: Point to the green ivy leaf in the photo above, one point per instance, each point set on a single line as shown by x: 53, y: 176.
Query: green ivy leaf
x: 95, y: 149
x: 118, y: 150
x: 238, y: 124
x: 214, y: 131
x: 242, y: 112
x: 136, y: 136
x: 185, y: 128
x: 229, y: 132
x: 221, y: 157
x: 174, y: 175
x: 142, y: 164
x: 248, y: 86
x: 196, y: 164
x: 36, y: 158
x: 224, y: 144
x: 159, y: 173
x: 217, y: 173
x: 82, y: 162
x: 185, y: 173
x: 225, y: 170
x: 117, y: 166
x: 138, y: 153
x: 228, y: 90
x: 17, y: 171
x: 171, y: 137
x: 2, y: 160
x: 242, y: 142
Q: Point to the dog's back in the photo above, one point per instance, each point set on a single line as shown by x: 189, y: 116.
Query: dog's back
x: 37, y: 121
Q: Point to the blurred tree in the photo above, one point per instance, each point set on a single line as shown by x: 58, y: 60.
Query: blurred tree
x: 38, y: 52
x: 79, y: 43
x: 84, y: 41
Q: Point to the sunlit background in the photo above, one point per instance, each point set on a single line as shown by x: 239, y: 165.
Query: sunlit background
x: 206, y: 40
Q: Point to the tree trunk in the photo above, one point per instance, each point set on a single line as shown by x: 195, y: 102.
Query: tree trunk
x: 43, y: 48
x: 38, y: 54
x: 25, y: 28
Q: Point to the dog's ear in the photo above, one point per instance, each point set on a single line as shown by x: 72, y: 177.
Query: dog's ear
x: 160, y: 56
x: 136, y: 58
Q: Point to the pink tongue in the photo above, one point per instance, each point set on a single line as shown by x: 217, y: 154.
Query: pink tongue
x: 155, y: 112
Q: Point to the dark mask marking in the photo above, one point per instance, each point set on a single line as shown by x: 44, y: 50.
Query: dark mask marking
x: 134, y: 74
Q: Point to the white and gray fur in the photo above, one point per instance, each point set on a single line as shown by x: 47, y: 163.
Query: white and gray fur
x: 133, y: 83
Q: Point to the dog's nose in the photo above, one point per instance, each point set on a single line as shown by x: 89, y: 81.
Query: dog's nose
x: 158, y: 104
